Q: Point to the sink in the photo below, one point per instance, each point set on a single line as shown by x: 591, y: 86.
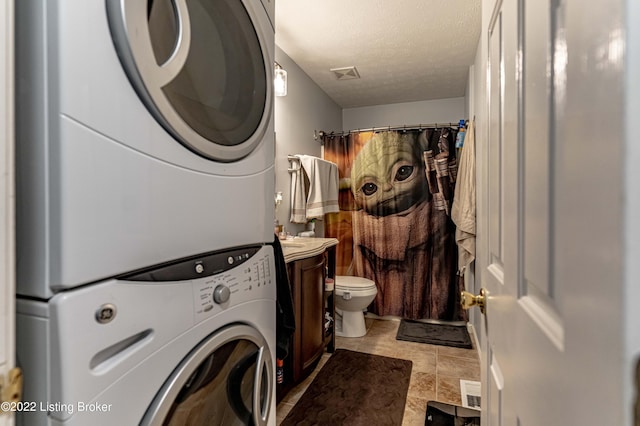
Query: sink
x: 303, y: 247
x: 291, y: 244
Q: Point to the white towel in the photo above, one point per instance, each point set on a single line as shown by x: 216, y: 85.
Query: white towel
x: 298, y: 196
x: 323, y: 186
x: 463, y: 211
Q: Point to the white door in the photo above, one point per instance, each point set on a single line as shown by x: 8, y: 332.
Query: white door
x: 551, y: 214
x: 7, y: 228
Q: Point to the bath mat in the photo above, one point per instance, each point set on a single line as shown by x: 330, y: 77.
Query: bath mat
x: 354, y: 388
x: 440, y: 414
x: 443, y: 334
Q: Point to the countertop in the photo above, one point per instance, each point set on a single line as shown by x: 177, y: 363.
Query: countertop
x: 303, y: 247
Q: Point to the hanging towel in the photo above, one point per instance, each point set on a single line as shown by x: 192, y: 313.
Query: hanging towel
x: 323, y: 186
x: 298, y: 195
x: 463, y: 211
x: 285, y: 316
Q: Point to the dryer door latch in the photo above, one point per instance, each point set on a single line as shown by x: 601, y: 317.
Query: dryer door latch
x: 10, y: 390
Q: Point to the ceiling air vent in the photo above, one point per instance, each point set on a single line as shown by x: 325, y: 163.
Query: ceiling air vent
x: 346, y: 73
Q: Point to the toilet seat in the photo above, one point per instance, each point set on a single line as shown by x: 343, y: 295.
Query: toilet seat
x: 353, y: 295
x: 353, y: 284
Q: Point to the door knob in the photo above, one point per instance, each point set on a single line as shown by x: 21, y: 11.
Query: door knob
x: 468, y: 300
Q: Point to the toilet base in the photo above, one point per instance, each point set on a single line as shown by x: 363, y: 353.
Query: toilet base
x: 353, y: 324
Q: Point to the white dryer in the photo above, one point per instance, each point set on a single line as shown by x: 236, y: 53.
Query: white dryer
x: 190, y: 343
x: 144, y: 134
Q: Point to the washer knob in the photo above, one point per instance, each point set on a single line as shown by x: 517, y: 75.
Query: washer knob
x: 221, y: 294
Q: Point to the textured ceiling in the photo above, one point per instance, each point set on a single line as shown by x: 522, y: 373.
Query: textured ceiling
x: 404, y: 50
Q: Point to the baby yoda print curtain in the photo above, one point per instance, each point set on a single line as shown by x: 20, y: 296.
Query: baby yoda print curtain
x: 394, y: 224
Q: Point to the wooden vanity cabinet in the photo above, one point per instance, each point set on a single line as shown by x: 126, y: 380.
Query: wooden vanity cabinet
x: 311, y: 301
x: 307, y: 282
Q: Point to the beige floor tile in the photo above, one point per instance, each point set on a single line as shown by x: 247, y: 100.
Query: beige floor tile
x: 463, y: 368
x: 448, y: 390
x: 424, y: 361
x: 435, y: 373
x: 423, y: 385
x: 459, y: 352
x: 382, y: 327
x: 351, y: 343
x: 380, y: 346
x: 415, y: 347
x: 296, y: 393
x: 282, y: 410
x: 415, y: 411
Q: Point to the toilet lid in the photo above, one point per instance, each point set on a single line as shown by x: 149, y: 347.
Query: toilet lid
x: 346, y: 282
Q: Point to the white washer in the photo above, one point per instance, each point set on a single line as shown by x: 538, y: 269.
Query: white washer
x: 194, y: 337
x: 144, y: 134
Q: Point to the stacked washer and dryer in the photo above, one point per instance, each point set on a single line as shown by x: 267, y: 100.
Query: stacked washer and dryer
x: 146, y: 282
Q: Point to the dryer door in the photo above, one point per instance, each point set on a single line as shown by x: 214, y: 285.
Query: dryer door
x: 226, y: 380
x: 203, y: 68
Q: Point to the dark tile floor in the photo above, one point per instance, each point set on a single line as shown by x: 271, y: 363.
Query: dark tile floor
x: 435, y: 375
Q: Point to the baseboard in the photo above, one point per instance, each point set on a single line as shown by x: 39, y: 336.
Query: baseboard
x: 474, y: 337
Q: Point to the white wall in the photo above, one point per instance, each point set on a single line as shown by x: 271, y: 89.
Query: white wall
x: 449, y: 110
x: 305, y: 108
x: 470, y: 93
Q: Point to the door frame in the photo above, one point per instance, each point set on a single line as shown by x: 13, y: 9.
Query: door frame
x: 631, y: 208
x: 7, y: 196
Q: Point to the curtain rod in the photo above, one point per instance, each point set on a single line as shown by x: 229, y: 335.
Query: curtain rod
x: 320, y: 133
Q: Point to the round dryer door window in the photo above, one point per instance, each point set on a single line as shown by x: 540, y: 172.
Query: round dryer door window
x: 201, y: 67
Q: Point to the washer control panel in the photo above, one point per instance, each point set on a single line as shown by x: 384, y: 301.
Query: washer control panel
x: 252, y: 277
x: 219, y: 279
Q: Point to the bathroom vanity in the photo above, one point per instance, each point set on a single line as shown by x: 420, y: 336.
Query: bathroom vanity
x: 310, y: 261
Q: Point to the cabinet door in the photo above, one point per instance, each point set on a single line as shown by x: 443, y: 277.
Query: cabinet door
x: 310, y: 274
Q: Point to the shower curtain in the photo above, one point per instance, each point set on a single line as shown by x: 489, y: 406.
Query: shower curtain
x: 394, y: 224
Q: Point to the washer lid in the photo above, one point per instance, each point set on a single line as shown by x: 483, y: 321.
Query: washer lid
x: 346, y: 282
x: 202, y: 68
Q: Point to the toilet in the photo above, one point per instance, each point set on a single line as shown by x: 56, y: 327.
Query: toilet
x: 352, y: 295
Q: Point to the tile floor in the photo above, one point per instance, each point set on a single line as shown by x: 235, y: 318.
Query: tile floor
x: 435, y: 375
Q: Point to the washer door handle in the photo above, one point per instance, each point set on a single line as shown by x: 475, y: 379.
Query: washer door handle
x: 256, y: 415
x: 260, y: 414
